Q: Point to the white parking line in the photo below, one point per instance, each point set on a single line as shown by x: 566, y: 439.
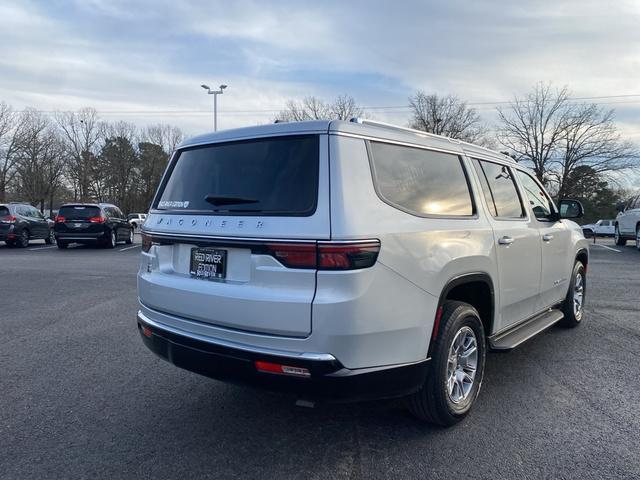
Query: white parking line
x: 129, y: 248
x: 608, y: 248
x: 41, y: 248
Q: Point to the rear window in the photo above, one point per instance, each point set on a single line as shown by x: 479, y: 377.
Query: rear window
x: 273, y: 176
x: 4, y: 212
x: 79, y: 212
x: 421, y: 182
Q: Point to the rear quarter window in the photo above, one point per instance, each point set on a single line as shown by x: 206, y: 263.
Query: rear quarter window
x: 421, y: 182
x: 4, y: 212
x: 271, y: 176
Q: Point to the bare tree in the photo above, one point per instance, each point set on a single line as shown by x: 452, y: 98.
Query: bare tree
x: 531, y: 127
x: 344, y: 107
x: 167, y: 136
x: 556, y: 135
x: 591, y: 139
x: 10, y: 132
x: 445, y: 115
x: 82, y: 133
x: 39, y: 159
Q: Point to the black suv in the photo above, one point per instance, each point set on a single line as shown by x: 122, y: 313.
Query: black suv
x: 92, y: 223
x: 20, y: 222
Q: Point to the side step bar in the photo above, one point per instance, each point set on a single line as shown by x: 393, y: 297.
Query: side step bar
x: 524, y: 331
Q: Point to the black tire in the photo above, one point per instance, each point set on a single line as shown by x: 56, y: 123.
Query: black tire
x: 62, y: 245
x: 621, y: 242
x: 129, y: 239
x: 433, y: 402
x: 51, y: 239
x: 23, y: 239
x: 112, y: 239
x: 571, y: 317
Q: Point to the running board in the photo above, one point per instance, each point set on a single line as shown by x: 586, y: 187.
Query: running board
x: 521, y: 333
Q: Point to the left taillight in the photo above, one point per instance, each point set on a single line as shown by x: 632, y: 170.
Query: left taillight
x: 60, y: 219
x: 147, y: 242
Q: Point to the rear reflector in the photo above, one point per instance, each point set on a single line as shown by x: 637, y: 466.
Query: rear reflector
x: 281, y: 369
x: 326, y: 255
x: 146, y: 242
x: 146, y: 331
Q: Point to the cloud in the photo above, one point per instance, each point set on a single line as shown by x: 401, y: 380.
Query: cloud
x: 153, y: 55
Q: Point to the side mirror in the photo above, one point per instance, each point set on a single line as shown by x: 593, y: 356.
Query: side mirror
x: 571, y: 209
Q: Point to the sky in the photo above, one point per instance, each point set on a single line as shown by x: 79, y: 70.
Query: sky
x: 143, y: 61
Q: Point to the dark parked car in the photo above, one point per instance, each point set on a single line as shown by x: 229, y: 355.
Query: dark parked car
x: 92, y: 223
x: 20, y: 223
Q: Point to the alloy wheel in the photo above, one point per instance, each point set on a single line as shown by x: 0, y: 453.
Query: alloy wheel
x: 578, y: 296
x: 462, y: 365
x: 24, y: 239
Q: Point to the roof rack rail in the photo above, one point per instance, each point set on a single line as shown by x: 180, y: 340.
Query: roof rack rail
x: 376, y: 123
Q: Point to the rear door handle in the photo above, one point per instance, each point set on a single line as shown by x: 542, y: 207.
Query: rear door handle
x: 505, y: 240
x: 547, y: 237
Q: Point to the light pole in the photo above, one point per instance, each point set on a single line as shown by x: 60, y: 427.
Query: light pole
x: 215, y: 94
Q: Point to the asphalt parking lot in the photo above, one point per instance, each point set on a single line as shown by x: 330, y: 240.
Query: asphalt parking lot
x: 82, y: 398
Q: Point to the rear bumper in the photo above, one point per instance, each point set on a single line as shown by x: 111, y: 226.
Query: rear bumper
x: 235, y: 363
x: 80, y: 237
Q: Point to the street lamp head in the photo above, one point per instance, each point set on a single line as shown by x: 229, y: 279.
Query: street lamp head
x: 206, y: 87
x: 222, y: 87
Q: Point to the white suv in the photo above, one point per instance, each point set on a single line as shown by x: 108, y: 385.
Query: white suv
x: 627, y: 223
x: 353, y: 260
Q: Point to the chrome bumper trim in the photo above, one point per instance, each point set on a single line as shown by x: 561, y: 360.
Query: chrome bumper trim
x: 323, y: 357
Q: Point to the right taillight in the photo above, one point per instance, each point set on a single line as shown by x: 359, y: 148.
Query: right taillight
x: 8, y: 219
x: 348, y: 255
x: 326, y: 255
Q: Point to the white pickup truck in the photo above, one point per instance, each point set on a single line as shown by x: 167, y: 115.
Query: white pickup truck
x: 602, y: 228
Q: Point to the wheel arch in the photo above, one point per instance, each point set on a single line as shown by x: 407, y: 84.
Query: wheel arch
x: 476, y: 289
x: 583, y: 256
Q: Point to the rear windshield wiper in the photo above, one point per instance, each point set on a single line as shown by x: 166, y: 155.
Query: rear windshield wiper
x: 218, y: 200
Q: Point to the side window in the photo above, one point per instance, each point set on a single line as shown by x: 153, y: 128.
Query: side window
x: 421, y: 182
x: 35, y: 213
x: 119, y: 213
x: 635, y: 204
x: 540, y: 202
x: 499, y: 189
x: 107, y: 212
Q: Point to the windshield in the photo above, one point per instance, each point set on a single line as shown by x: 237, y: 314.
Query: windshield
x: 273, y: 176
